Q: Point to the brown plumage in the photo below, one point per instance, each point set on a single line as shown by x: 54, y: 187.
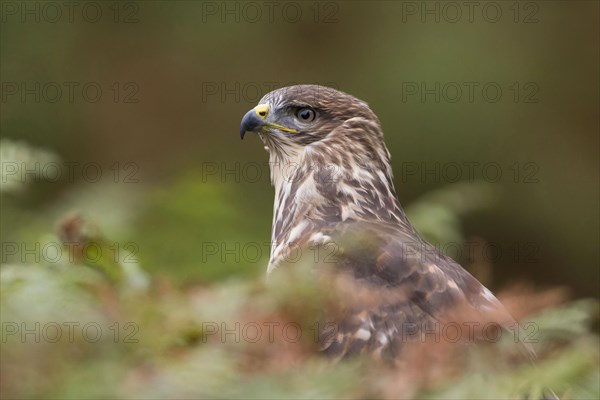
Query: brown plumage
x: 334, y: 187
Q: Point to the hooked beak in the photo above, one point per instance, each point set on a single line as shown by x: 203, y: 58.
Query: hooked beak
x: 256, y: 119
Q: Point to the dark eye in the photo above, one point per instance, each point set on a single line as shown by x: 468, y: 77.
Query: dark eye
x: 306, y: 114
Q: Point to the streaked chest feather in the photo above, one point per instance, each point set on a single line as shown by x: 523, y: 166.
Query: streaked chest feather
x: 312, y: 197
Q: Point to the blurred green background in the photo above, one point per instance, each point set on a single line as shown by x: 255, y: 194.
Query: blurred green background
x: 176, y: 77
x: 128, y: 115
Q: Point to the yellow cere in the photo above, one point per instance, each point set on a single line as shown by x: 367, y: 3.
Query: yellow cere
x: 262, y: 110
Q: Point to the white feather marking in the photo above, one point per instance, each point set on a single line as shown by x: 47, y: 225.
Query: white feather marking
x: 452, y: 284
x: 382, y: 338
x: 489, y: 295
x: 363, y: 334
x: 319, y: 238
x: 434, y: 269
x: 347, y: 212
x: 297, y: 231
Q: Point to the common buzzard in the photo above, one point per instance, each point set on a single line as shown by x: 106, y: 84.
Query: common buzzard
x: 333, y: 185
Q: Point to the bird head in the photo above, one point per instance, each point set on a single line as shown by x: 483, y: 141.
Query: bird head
x: 315, y: 132
x: 302, y: 114
x: 326, y: 149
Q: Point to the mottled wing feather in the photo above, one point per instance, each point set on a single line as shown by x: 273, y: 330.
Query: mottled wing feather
x: 396, y: 288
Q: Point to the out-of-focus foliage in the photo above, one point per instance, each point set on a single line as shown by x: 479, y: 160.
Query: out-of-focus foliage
x: 92, y: 324
x: 212, y: 241
x: 166, y: 341
x: 181, y: 212
x: 16, y: 156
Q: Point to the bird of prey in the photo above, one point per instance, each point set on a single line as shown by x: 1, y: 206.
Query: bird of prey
x: 333, y: 184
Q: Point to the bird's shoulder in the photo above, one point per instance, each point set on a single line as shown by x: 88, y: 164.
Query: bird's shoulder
x: 394, y: 288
